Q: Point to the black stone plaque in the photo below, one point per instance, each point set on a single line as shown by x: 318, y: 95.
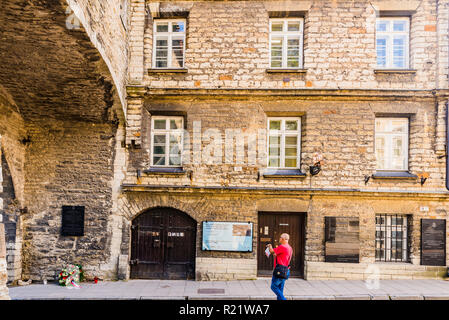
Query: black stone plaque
x: 341, y: 239
x: 72, y: 221
x: 433, y: 242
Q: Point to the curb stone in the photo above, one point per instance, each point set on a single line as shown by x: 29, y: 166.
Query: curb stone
x: 406, y: 297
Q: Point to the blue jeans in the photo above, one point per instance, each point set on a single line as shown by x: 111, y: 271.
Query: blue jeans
x: 277, y: 285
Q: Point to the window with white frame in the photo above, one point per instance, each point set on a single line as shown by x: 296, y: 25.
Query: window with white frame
x: 284, y: 143
x: 392, y: 43
x: 167, y: 141
x: 286, y: 43
x: 392, y: 144
x: 392, y: 243
x: 169, y: 43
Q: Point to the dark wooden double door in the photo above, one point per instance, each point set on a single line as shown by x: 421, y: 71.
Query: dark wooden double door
x: 271, y: 226
x: 163, y: 242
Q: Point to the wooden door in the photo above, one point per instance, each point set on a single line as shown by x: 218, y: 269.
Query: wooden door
x: 271, y: 225
x: 163, y: 245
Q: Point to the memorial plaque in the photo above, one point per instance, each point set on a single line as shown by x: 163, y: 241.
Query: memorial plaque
x: 2, y: 241
x: 433, y: 242
x: 72, y: 221
x: 342, y: 239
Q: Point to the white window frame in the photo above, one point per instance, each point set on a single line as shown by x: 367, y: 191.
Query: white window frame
x: 389, y: 33
x: 169, y: 35
x: 167, y: 131
x: 285, y: 35
x: 283, y: 133
x: 389, y: 135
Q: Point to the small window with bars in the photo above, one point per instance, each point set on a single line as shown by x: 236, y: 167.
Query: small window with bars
x: 392, y: 240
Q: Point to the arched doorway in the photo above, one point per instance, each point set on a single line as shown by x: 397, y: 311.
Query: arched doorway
x: 163, y: 242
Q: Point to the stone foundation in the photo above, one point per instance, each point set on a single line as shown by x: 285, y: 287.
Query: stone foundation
x: 371, y: 271
x: 225, y: 269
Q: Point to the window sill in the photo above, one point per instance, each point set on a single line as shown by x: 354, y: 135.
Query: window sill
x: 280, y: 70
x: 394, y: 175
x: 395, y: 71
x: 163, y: 170
x: 168, y: 70
x: 283, y: 173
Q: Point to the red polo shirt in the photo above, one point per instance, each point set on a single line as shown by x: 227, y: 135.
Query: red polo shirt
x: 283, y: 254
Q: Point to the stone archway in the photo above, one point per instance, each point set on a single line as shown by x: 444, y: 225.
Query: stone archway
x: 163, y: 245
x: 10, y: 212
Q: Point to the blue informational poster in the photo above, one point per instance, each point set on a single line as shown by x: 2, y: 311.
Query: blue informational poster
x: 227, y: 236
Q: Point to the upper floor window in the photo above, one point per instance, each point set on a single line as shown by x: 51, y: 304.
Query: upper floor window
x: 284, y: 143
x: 392, y: 144
x: 392, y: 43
x: 167, y: 141
x: 286, y: 43
x: 169, y: 43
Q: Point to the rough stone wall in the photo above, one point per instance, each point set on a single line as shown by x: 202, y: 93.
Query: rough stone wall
x: 106, y: 24
x: 12, y: 157
x: 3, y: 266
x: 227, y: 47
x: 77, y: 169
x: 343, y: 131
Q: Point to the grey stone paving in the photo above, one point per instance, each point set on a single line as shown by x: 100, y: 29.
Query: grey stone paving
x: 295, y: 289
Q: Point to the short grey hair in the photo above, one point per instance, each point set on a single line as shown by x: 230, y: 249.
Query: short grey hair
x: 285, y: 236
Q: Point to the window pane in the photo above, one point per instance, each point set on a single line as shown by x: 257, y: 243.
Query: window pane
x: 399, y: 25
x: 277, y: 26
x: 273, y: 162
x: 175, y: 160
x: 159, y: 139
x: 160, y: 124
x: 175, y: 148
x: 381, y: 26
x: 161, y: 53
x: 275, y: 140
x: 276, y: 52
x: 291, y: 125
x: 275, y: 151
x: 399, y: 126
x: 290, y: 152
x: 159, y: 161
x: 177, y: 53
x: 290, y: 163
x: 160, y: 150
x: 162, y: 27
x: 399, y: 52
x: 293, y: 63
x: 178, y: 26
x: 382, y: 52
x: 381, y: 125
x: 176, y: 124
x: 293, y: 26
x: 275, y: 125
x: 161, y: 64
x: 291, y: 141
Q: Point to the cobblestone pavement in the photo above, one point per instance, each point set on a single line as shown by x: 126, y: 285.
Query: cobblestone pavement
x: 295, y: 289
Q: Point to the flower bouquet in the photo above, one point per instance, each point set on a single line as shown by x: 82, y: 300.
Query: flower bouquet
x: 71, y: 276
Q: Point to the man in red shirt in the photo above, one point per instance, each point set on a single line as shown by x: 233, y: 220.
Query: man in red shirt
x: 282, y: 255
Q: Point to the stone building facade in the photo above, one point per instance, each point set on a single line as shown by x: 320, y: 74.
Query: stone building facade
x: 97, y: 149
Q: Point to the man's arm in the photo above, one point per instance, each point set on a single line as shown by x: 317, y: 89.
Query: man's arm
x: 270, y: 247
